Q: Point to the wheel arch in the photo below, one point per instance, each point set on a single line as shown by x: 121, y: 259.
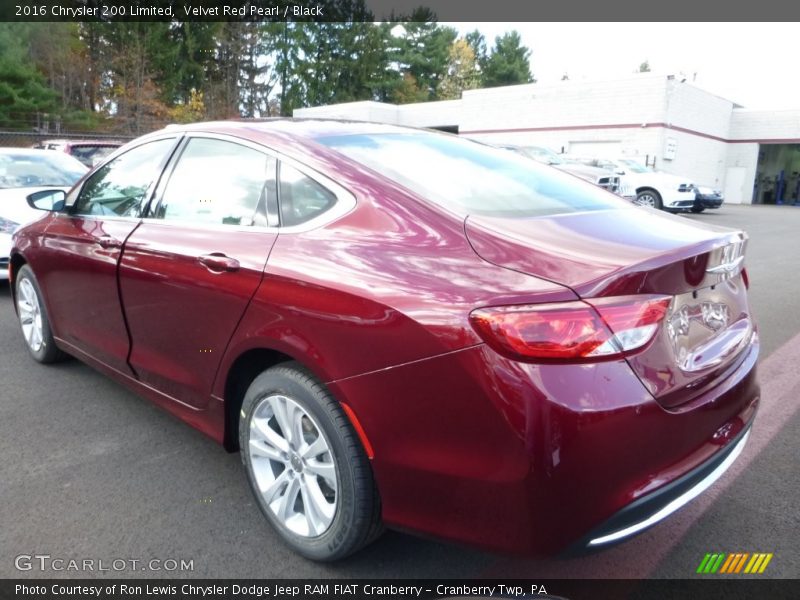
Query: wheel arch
x: 16, y: 262
x: 648, y: 188
x: 243, y: 370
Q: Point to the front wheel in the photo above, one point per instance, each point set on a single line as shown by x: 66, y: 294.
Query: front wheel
x: 649, y: 198
x: 306, y: 466
x: 33, y: 319
x: 698, y: 209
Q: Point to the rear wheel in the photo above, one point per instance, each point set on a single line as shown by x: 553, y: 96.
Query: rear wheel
x: 33, y: 319
x: 306, y: 466
x: 650, y: 198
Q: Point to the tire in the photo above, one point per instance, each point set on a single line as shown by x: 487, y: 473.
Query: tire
x: 33, y: 319
x: 698, y: 209
x: 649, y: 197
x: 320, y: 464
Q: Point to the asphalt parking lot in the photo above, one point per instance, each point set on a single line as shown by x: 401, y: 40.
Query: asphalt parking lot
x: 90, y: 470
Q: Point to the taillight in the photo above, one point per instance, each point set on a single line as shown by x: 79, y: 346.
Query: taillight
x: 597, y: 329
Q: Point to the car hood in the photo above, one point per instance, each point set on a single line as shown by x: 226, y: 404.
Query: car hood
x: 617, y: 251
x: 14, y: 206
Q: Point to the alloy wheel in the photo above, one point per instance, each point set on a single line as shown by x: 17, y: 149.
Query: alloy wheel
x: 293, y: 466
x: 647, y: 199
x: 30, y: 315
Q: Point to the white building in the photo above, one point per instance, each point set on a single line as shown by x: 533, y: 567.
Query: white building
x: 753, y: 156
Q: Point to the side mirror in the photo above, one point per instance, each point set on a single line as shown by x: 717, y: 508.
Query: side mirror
x: 51, y: 200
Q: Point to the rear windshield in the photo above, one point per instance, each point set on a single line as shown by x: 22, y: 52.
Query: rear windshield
x: 470, y: 178
x: 87, y: 154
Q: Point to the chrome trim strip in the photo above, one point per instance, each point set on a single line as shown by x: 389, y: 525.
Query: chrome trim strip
x: 678, y: 502
x: 728, y: 267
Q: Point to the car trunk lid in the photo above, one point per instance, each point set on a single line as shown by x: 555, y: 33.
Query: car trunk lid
x: 636, y: 251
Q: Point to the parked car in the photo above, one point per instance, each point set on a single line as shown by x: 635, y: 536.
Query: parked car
x: 706, y: 197
x: 404, y: 328
x: 89, y: 152
x: 604, y: 178
x: 23, y: 171
x: 653, y: 188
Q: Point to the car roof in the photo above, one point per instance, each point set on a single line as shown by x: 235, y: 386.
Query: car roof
x: 302, y: 128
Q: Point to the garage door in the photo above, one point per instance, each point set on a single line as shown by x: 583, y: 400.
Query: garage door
x: 596, y: 149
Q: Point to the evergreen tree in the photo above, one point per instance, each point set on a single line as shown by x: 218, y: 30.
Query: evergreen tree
x: 508, y: 63
x: 477, y: 42
x: 423, y: 53
x: 24, y: 94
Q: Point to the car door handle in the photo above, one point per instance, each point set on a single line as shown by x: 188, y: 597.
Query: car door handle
x: 107, y: 241
x: 219, y: 262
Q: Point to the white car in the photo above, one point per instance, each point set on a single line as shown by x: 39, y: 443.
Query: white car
x: 653, y: 188
x: 22, y: 172
x: 600, y: 176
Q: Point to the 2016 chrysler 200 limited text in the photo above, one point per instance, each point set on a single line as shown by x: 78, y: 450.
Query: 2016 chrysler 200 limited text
x: 402, y: 327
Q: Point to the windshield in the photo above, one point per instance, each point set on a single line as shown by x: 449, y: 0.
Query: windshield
x: 634, y: 166
x: 470, y: 178
x: 42, y: 168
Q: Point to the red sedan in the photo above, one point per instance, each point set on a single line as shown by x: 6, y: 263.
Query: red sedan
x: 403, y: 328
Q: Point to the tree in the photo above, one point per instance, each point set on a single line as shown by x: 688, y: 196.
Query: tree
x: 61, y: 57
x: 24, y: 93
x: 290, y: 38
x: 138, y: 76
x: 508, y: 63
x: 644, y: 67
x: 132, y: 81
x: 91, y: 38
x: 191, y: 111
x: 187, y: 65
x: 408, y: 91
x: 477, y: 42
x: 423, y: 52
x: 462, y: 72
x: 347, y: 58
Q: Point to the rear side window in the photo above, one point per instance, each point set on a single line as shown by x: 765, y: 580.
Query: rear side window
x: 471, y: 178
x: 301, y: 198
x: 221, y: 183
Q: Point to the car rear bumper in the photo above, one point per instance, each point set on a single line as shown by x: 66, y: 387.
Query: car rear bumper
x: 524, y: 458
x: 657, y: 506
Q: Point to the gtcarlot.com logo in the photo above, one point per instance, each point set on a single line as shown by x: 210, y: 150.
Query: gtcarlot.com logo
x: 734, y: 562
x: 46, y: 562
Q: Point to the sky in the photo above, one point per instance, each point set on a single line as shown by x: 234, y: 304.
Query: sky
x: 756, y: 65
